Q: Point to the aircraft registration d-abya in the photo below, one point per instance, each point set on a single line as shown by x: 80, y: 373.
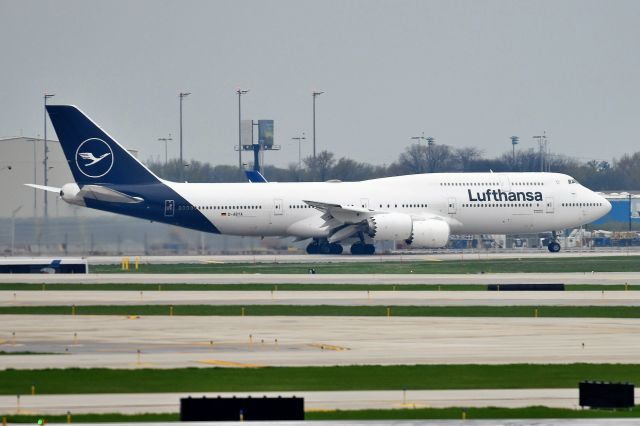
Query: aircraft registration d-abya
x: 422, y: 210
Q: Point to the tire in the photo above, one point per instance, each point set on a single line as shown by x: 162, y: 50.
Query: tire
x: 325, y: 249
x: 369, y: 249
x: 357, y: 249
x: 336, y: 248
x: 553, y: 247
x: 313, y: 248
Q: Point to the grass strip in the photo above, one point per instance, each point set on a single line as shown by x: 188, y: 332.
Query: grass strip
x: 92, y: 418
x: 458, y: 266
x: 334, y: 378
x: 241, y: 287
x: 452, y: 413
x: 331, y: 310
x: 283, y: 287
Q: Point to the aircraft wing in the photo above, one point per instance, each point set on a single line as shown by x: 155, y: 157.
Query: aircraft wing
x: 342, y: 221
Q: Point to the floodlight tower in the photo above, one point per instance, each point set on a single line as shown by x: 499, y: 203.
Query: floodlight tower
x: 542, y: 147
x: 514, y: 142
x: 240, y: 92
x: 299, y: 139
x: 45, y: 162
x: 315, y: 95
x: 419, y: 138
x: 165, y: 140
x: 182, y: 95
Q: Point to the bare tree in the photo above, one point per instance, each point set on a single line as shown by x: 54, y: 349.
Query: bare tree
x: 467, y: 156
x: 320, y: 166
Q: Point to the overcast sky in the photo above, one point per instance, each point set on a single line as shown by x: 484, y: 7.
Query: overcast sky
x: 469, y: 73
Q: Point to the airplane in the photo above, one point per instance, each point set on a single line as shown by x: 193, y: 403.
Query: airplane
x: 422, y: 210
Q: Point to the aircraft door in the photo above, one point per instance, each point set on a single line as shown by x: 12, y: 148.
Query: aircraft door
x: 277, y: 207
x: 169, y: 208
x: 452, y: 205
x: 364, y: 203
x: 549, y: 205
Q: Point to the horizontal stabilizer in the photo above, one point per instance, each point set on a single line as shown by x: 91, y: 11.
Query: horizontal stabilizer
x: 46, y: 188
x: 102, y: 193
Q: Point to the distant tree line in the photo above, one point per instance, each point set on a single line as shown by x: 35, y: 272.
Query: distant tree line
x: 621, y: 174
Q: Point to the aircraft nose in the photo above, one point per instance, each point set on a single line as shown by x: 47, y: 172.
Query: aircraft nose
x: 606, y: 205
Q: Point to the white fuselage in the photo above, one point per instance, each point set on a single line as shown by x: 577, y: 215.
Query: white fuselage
x: 469, y: 202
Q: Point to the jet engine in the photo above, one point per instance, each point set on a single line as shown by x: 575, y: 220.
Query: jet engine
x: 69, y: 193
x: 390, y: 226
x: 430, y: 233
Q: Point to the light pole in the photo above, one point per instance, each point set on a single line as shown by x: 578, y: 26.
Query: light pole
x: 13, y: 228
x: 315, y: 95
x: 542, y: 143
x: 165, y: 140
x: 46, y: 153
x: 300, y: 139
x: 182, y: 95
x: 514, y: 142
x: 419, y: 138
x: 240, y: 92
x: 35, y: 191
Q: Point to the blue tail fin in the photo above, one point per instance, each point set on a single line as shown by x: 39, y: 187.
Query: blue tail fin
x: 94, y: 157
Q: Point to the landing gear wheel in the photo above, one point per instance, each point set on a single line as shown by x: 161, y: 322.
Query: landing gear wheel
x: 553, y: 247
x: 336, y: 248
x: 313, y: 248
x: 360, y: 248
x: 317, y: 247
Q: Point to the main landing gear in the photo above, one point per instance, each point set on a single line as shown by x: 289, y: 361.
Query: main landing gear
x: 362, y: 248
x: 323, y: 247
x: 554, y: 245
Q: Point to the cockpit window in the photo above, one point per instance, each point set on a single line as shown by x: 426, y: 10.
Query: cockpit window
x: 572, y: 181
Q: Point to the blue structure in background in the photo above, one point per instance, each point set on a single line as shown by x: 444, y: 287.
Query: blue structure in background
x: 620, y: 211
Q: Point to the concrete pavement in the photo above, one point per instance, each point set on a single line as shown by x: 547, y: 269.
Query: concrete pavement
x: 341, y: 298
x: 170, y: 342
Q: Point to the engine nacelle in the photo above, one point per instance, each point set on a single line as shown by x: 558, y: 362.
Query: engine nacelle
x: 430, y: 233
x: 69, y: 193
x: 390, y: 226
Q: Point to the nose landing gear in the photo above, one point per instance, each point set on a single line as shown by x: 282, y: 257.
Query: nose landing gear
x: 554, y: 245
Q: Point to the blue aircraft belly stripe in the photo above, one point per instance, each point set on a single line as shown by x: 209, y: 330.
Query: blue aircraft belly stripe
x: 153, y: 207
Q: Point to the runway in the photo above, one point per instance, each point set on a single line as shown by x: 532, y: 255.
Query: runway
x: 134, y: 403
x: 606, y: 278
x: 170, y: 342
x: 413, y: 256
x: 340, y: 298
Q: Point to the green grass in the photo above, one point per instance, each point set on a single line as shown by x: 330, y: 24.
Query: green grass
x: 471, y: 414
x: 560, y: 264
x: 3, y: 353
x: 283, y: 287
x: 241, y: 287
x: 93, y: 418
x: 330, y: 310
x: 395, y: 414
x: 280, y: 379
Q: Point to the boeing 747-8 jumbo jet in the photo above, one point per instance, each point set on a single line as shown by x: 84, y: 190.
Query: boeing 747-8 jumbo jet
x: 421, y: 210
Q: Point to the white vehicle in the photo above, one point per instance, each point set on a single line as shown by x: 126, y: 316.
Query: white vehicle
x: 422, y: 210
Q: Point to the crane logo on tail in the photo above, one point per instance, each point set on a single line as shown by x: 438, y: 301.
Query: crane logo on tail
x: 94, y: 158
